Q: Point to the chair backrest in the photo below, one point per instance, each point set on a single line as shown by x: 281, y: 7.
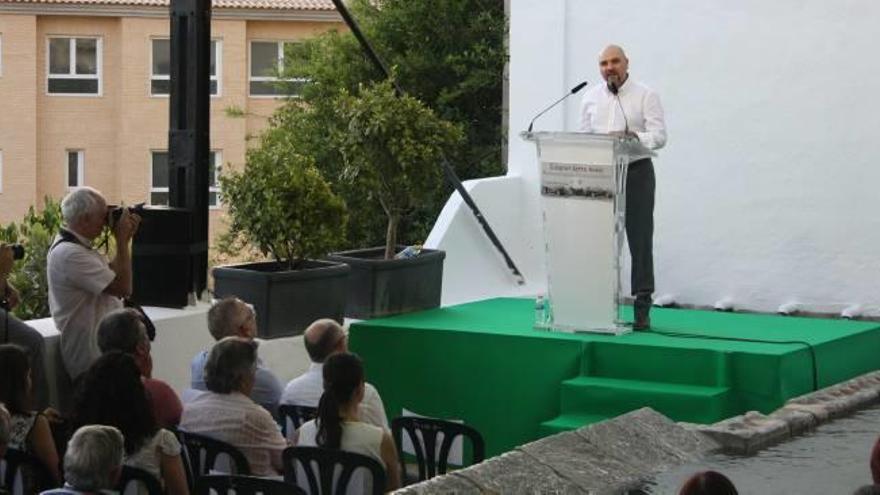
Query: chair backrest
x: 133, y: 479
x: 295, y: 415
x: 23, y: 473
x: 201, y: 454
x: 244, y: 485
x: 423, y: 433
x: 334, y: 468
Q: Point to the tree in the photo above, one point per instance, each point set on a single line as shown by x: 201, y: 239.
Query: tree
x: 449, y: 54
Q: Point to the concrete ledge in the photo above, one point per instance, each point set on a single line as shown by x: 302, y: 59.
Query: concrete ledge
x: 608, y: 457
x: 753, y: 431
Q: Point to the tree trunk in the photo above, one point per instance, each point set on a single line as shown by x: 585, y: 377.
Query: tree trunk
x: 391, y: 236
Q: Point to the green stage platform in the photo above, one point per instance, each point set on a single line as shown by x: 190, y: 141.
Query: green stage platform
x: 484, y: 363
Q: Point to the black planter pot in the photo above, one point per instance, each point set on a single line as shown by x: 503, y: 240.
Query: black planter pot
x: 286, y: 301
x: 380, y: 287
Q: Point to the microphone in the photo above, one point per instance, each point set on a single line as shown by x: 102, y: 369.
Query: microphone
x: 557, y: 102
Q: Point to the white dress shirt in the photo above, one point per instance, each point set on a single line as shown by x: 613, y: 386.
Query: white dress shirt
x: 306, y: 390
x: 601, y: 113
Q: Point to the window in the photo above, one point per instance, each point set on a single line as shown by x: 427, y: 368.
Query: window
x: 75, y: 166
x: 159, y: 184
x: 160, y: 71
x: 74, y: 66
x: 267, y: 61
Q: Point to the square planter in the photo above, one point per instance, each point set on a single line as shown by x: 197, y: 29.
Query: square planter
x: 380, y: 287
x: 286, y: 301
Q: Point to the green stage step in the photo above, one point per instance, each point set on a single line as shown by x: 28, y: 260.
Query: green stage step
x: 568, y: 422
x: 613, y: 396
x: 694, y: 366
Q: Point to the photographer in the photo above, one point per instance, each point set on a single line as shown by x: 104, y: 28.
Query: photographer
x: 14, y: 331
x: 83, y: 286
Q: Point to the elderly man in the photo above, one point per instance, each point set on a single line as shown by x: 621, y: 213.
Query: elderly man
x: 323, y: 338
x: 226, y: 412
x: 123, y: 330
x: 93, y: 461
x: 14, y: 331
x: 232, y: 317
x: 626, y: 107
x: 83, y: 287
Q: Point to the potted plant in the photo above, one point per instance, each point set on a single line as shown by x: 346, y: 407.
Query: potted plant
x: 281, y: 205
x: 391, y: 147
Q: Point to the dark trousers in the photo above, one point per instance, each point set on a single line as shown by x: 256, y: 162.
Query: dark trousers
x: 640, y: 185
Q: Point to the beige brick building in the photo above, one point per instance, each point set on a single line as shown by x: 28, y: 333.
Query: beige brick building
x: 83, y: 91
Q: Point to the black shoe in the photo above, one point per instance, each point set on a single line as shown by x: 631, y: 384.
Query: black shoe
x: 643, y: 322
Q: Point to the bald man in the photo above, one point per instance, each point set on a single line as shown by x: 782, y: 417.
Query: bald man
x: 620, y: 107
x: 322, y: 339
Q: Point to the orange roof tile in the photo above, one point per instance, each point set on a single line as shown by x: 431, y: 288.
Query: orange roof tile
x: 322, y: 5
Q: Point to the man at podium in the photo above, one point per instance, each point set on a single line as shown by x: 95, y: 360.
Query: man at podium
x: 623, y: 106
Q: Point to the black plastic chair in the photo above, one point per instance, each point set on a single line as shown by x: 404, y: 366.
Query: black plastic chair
x: 327, y: 461
x: 430, y: 461
x: 26, y: 468
x: 296, y: 415
x: 139, y: 478
x: 201, y: 453
x: 244, y: 485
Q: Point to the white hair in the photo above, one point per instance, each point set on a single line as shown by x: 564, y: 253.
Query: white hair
x: 79, y: 203
x: 93, y: 454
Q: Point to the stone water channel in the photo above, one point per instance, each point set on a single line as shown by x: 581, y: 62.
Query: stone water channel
x: 816, y: 444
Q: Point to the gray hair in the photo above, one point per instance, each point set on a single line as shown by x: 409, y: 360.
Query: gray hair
x: 121, y: 330
x: 79, y: 203
x: 5, y: 421
x: 93, y: 454
x: 230, y: 362
x: 224, y: 316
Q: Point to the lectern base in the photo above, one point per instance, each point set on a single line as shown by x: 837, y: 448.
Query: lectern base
x: 615, y: 329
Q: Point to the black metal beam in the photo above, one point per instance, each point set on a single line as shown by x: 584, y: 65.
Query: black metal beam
x: 189, y: 124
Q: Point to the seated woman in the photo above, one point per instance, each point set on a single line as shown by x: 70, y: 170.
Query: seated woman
x: 112, y: 394
x: 226, y: 412
x: 29, y: 429
x: 337, y: 425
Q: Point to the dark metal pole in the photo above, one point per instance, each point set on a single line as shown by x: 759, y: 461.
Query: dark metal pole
x: 449, y: 171
x: 188, y: 135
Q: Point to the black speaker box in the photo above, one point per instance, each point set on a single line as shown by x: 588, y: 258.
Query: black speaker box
x: 161, y: 257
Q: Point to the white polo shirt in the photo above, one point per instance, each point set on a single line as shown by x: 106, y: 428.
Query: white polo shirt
x: 77, y: 277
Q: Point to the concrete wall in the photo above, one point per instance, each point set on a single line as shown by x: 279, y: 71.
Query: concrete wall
x: 767, y: 188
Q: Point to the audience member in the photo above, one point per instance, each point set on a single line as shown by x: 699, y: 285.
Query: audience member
x: 29, y: 430
x: 83, y: 287
x: 324, y: 338
x: 93, y: 461
x: 15, y: 331
x: 112, y: 393
x: 5, y: 424
x: 875, y: 462
x: 232, y: 317
x: 338, y: 424
x: 708, y: 483
x: 123, y: 330
x: 227, y: 413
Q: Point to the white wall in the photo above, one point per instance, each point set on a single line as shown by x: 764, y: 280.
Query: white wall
x: 767, y: 191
